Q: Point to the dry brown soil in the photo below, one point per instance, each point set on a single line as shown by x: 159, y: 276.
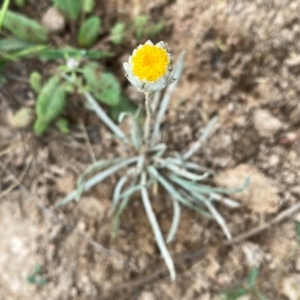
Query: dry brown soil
x: 242, y: 64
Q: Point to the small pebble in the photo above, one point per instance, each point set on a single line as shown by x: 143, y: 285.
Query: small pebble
x: 265, y: 123
x: 53, y: 20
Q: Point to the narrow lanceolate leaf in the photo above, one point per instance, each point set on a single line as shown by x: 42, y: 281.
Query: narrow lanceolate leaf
x: 103, y: 85
x: 3, y: 10
x: 70, y: 8
x: 156, y: 229
x: 136, y: 138
x: 298, y: 230
x: 89, y: 32
x: 97, y: 166
x: 25, y: 28
x: 98, y: 178
x: 50, y: 104
x: 62, y: 53
x: 121, y: 208
x: 175, y: 221
x: 173, y: 192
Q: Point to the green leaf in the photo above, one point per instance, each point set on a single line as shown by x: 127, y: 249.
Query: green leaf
x: 103, y: 85
x: 236, y: 293
x: 25, y: 28
x: 27, y: 52
x: 50, y: 104
x: 31, y: 279
x: 35, y: 81
x: 2, y: 66
x: 62, y: 53
x: 63, y: 125
x: 154, y: 30
x: 261, y: 296
x: 38, y: 269
x: 297, y: 223
x: 3, y: 11
x: 88, y: 5
x: 71, y: 8
x: 125, y: 105
x: 89, y: 31
x: 139, y: 25
x: 13, y: 44
x: 252, y: 277
x: 19, y: 3
x: 117, y: 33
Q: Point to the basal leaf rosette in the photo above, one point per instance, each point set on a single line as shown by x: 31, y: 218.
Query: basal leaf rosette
x: 149, y: 68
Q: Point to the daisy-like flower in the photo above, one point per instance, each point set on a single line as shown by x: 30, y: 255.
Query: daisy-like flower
x: 149, y: 68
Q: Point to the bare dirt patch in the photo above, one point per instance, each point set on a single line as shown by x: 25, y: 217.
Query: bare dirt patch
x: 242, y: 64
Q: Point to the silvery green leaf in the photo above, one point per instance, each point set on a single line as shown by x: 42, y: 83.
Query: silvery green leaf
x: 173, y: 192
x: 98, y: 178
x: 117, y: 191
x: 175, y: 221
x: 122, y: 206
x: 156, y: 230
x: 166, y: 99
x: 135, y: 133
x: 207, y: 130
x: 97, y: 166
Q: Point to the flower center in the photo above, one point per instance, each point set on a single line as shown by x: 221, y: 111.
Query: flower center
x: 150, y: 63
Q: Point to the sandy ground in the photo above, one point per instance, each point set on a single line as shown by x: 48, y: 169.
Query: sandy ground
x: 242, y: 64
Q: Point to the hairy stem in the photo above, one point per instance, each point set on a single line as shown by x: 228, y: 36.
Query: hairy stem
x: 149, y: 119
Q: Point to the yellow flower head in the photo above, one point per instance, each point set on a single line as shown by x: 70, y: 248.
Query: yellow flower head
x: 149, y: 67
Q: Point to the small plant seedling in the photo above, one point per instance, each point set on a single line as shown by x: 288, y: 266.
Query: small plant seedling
x: 297, y: 225
x: 37, y: 276
x: 249, y: 288
x: 141, y: 28
x: 71, y: 78
x: 149, y: 164
x: 29, y: 38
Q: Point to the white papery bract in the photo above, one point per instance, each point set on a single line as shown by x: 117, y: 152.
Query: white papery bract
x: 149, y: 67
